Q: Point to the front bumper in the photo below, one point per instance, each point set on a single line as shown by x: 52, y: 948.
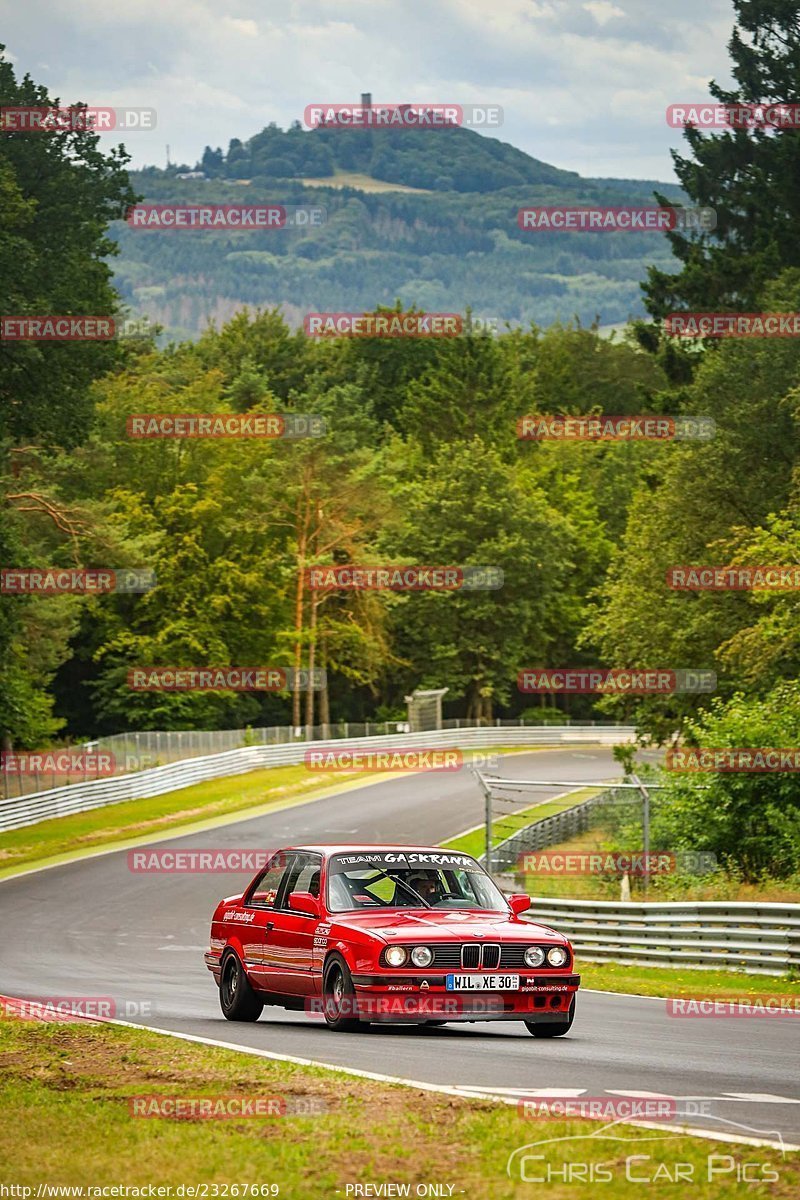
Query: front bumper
x: 540, y: 998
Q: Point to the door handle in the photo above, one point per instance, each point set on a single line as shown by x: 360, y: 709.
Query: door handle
x: 270, y: 925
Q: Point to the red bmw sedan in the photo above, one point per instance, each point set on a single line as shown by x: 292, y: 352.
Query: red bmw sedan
x: 409, y: 934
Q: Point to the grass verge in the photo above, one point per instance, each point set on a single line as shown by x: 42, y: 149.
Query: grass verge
x: 193, y: 808
x: 672, y: 885
x: 65, y: 1119
x: 132, y: 820
x: 682, y: 981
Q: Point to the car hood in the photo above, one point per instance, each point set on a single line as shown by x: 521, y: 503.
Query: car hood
x: 448, y: 926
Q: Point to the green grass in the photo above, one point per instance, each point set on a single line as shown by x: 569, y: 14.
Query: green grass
x: 193, y: 808
x: 717, y: 885
x: 65, y: 1119
x: 681, y: 981
x: 137, y: 820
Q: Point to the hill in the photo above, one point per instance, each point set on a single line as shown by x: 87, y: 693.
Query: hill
x: 448, y: 241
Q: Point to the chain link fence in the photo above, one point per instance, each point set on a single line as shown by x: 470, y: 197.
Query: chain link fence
x: 124, y: 753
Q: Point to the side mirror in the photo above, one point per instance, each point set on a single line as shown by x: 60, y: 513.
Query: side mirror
x: 304, y: 902
x: 519, y: 902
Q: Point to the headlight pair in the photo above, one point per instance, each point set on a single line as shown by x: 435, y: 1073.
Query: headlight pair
x: 421, y: 956
x: 556, y: 956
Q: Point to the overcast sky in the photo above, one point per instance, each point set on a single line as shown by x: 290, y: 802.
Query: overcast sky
x: 583, y: 83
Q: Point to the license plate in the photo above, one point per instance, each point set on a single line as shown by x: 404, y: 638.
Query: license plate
x: 482, y: 983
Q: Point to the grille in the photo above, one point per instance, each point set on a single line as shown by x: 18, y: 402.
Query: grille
x: 491, y: 957
x: 470, y: 955
x: 448, y: 955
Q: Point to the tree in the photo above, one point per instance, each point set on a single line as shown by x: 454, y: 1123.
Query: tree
x: 695, y: 505
x: 750, y: 820
x: 58, y: 192
x: 749, y: 177
x: 470, y: 508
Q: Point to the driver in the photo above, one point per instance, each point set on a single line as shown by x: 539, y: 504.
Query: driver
x: 426, y: 885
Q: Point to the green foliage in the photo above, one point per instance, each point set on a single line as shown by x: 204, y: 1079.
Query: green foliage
x: 748, y: 177
x: 749, y: 820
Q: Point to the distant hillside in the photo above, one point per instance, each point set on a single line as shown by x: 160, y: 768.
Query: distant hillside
x: 441, y: 160
x: 452, y: 243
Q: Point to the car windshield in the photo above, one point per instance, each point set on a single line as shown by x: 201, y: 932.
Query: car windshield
x: 410, y: 879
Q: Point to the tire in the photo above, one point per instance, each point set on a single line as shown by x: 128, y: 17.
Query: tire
x: 337, y: 987
x: 434, y: 1024
x: 548, y: 1029
x: 237, y: 999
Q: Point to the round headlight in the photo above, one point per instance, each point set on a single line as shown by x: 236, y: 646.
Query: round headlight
x: 396, y: 956
x: 557, y: 956
x: 534, y: 956
x: 422, y: 956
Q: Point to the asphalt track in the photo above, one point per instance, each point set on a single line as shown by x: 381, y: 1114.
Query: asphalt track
x: 94, y: 928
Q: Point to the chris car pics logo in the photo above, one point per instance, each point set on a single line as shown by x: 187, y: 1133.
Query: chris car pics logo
x: 598, y: 1157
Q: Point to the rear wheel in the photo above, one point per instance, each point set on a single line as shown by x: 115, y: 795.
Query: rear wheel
x: 237, y: 999
x: 548, y: 1029
x: 339, y: 996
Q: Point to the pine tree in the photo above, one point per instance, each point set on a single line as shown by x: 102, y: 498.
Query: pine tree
x: 750, y: 177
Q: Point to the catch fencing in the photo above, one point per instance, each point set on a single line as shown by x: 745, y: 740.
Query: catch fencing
x: 18, y: 811
x: 550, y: 831
x: 140, y: 750
x: 758, y: 938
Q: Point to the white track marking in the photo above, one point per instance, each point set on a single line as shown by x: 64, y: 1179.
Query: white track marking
x: 442, y: 1089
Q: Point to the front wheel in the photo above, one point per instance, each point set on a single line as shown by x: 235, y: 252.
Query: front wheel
x: 339, y: 996
x: 548, y: 1029
x: 237, y: 999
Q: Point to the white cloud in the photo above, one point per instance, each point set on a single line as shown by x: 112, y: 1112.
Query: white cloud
x: 583, y: 83
x: 247, y: 27
x: 603, y: 11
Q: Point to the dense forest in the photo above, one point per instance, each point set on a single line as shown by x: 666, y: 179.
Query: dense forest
x: 421, y: 463
x: 448, y: 242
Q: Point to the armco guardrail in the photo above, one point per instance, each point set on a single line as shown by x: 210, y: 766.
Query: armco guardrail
x: 547, y: 832
x: 761, y: 939
x: 145, y: 748
x: 78, y: 797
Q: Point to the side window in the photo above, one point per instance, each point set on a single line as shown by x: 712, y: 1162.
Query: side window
x: 265, y: 892
x: 304, y: 875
